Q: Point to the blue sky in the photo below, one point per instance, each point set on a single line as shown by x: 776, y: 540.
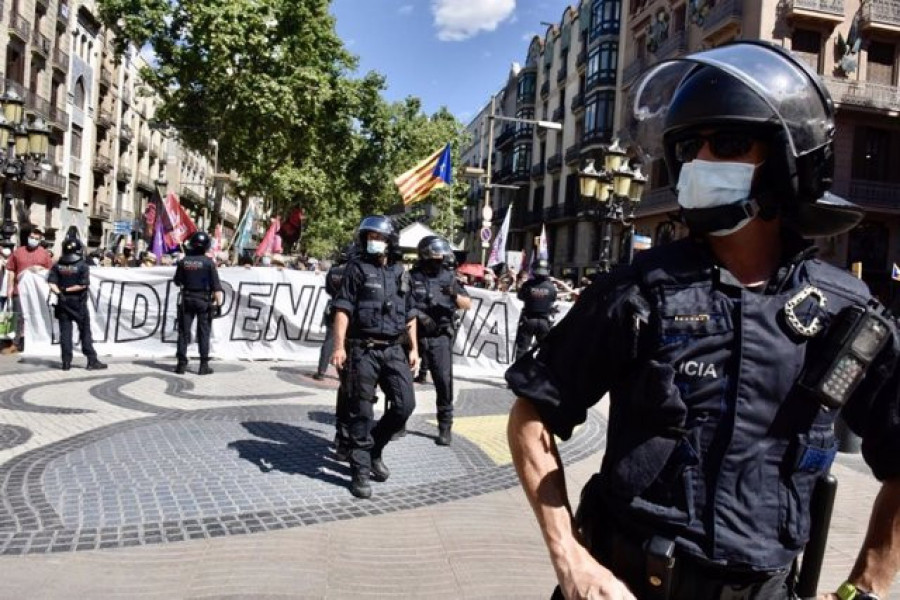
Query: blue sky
x: 451, y: 53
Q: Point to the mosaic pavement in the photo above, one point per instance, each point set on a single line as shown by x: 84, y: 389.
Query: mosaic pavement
x: 136, y: 455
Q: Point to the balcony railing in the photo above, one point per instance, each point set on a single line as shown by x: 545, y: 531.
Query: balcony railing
x: 562, y: 74
x: 123, y: 174
x: 595, y: 138
x: 105, y: 77
x: 144, y: 182
x: 537, y: 170
x: 881, y: 12
x: 878, y: 195
x: 523, y: 132
x: 37, y: 104
x: 505, y: 136
x: 125, y: 134
x: 573, y: 153
x: 559, y: 114
x: 545, y: 89
x: 101, y: 210
x: 143, y: 143
x: 59, y: 118
x: 674, y: 45
x: 721, y: 14
x: 20, y: 26
x: 12, y: 85
x: 48, y: 180
x: 581, y: 59
x: 104, y: 118
x: 126, y: 96
x: 554, y: 163
x: 60, y: 60
x: 40, y: 43
x: 102, y: 164
x: 829, y: 7
x: 578, y: 102
x: 863, y: 93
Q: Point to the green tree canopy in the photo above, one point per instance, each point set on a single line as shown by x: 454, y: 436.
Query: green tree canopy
x: 270, y: 81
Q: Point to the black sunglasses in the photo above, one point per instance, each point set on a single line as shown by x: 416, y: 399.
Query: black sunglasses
x: 723, y: 144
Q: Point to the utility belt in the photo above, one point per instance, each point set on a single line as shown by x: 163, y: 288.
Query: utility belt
x: 203, y: 293
x: 530, y: 316
x: 373, y: 342
x: 655, y: 569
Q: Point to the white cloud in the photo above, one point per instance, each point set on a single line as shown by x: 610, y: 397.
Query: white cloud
x: 405, y: 9
x: 458, y: 20
x: 528, y: 35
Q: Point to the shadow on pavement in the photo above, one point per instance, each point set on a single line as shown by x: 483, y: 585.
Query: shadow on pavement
x: 293, y: 450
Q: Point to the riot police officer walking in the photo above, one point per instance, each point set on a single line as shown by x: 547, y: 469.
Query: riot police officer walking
x: 725, y: 356
x: 201, y: 292
x: 538, y: 296
x: 70, y: 279
x: 375, y: 315
x: 438, y: 296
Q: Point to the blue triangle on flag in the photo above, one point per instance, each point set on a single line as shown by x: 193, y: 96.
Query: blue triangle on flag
x: 895, y: 272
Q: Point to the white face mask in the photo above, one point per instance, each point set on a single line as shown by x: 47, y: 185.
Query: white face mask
x: 33, y: 243
x: 376, y: 246
x: 706, y: 184
x: 266, y: 261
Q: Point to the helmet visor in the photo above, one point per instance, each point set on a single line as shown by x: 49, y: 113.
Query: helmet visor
x: 791, y: 90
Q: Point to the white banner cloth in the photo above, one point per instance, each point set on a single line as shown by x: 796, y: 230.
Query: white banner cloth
x: 269, y: 314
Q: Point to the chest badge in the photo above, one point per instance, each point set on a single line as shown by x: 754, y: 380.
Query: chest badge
x: 813, y: 326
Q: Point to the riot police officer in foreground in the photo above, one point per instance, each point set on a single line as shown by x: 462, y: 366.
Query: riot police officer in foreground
x: 70, y: 279
x: 438, y: 296
x: 725, y: 356
x: 201, y: 292
x: 375, y: 314
x: 538, y: 296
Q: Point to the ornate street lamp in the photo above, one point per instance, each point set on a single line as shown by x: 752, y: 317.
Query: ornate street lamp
x: 617, y: 189
x: 23, y: 154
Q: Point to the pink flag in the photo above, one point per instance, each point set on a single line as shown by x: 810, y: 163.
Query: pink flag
x: 216, y: 246
x: 267, y: 245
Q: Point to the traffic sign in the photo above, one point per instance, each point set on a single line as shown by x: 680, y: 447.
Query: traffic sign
x: 485, y: 234
x: 122, y: 227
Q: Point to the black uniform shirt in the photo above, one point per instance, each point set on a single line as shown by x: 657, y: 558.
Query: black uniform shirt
x: 197, y: 274
x: 65, y: 276
x: 374, y: 298
x: 538, y: 294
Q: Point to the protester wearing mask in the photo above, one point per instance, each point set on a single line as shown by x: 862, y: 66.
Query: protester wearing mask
x: 30, y: 257
x: 438, y: 296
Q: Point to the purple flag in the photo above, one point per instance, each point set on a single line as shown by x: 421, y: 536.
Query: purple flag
x: 158, y: 247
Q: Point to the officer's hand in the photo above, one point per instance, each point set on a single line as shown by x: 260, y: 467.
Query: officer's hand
x: 339, y: 357
x: 413, y: 360
x: 583, y: 578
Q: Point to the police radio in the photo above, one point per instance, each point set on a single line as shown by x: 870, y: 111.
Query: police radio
x: 851, y: 345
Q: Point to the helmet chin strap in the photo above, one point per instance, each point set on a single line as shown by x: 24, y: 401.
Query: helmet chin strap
x: 719, y: 218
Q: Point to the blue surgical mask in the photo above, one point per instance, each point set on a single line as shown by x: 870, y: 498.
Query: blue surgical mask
x: 707, y: 184
x: 33, y: 243
x: 376, y: 246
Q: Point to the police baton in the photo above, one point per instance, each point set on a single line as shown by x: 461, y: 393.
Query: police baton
x: 820, y: 509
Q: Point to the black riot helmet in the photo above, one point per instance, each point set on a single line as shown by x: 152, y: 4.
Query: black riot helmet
x: 197, y: 244
x: 756, y: 87
x: 541, y: 268
x: 433, y: 247
x: 378, y: 224
x: 72, y: 251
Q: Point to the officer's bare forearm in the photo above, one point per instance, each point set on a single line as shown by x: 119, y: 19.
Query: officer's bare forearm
x: 463, y: 302
x: 413, y: 340
x: 879, y: 558
x: 540, y: 471
x: 54, y: 288
x: 341, y: 320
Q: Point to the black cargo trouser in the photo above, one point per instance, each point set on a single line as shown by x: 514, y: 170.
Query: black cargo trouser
x: 385, y: 366
x: 193, y: 305
x: 438, y: 351
x: 530, y: 328
x: 73, y: 309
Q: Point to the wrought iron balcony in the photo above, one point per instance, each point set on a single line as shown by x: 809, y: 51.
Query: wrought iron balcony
x: 523, y: 133
x: 40, y: 43
x: 581, y: 60
x: 144, y: 182
x: 545, y: 89
x: 101, y: 210
x: 537, y: 170
x: 578, y: 102
x: 573, y: 153
x: 59, y: 118
x: 48, y: 180
x: 676, y: 44
x: 864, y: 94
x: 559, y: 114
x: 102, y: 164
x: 562, y: 74
x: 830, y: 10
x: 875, y: 195
x: 104, y: 118
x: 526, y: 98
x: 123, y: 174
x: 725, y: 14
x: 554, y: 163
x: 505, y: 136
x: 37, y: 104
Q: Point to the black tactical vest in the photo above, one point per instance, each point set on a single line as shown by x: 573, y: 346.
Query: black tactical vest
x: 429, y: 296
x: 380, y: 309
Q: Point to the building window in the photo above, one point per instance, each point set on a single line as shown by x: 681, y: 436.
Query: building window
x: 598, y: 116
x: 605, y: 17
x: 881, y: 63
x: 525, y: 91
x: 521, y: 159
x: 76, y: 141
x: 601, y: 65
x: 537, y: 202
x: 871, y: 154
x: 807, y: 44
x: 79, y: 93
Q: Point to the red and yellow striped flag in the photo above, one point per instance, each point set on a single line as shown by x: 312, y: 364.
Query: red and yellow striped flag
x: 431, y: 173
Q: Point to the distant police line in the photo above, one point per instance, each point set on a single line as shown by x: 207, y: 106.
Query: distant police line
x: 268, y: 314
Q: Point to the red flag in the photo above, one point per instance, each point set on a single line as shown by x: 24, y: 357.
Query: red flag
x: 182, y: 226
x: 267, y: 245
x: 216, y: 246
x: 292, y: 227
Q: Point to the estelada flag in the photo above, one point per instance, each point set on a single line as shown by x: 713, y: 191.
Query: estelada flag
x: 432, y: 173
x: 895, y: 272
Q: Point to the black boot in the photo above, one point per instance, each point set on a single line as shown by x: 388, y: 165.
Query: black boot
x: 66, y: 365
x: 204, y: 368
x: 360, y: 487
x: 422, y: 377
x: 380, y: 472
x: 399, y: 434
x: 96, y: 365
x: 180, y: 368
x: 444, y: 436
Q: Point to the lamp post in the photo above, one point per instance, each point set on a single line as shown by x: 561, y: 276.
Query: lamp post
x: 23, y: 152
x: 487, y: 212
x: 617, y: 189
